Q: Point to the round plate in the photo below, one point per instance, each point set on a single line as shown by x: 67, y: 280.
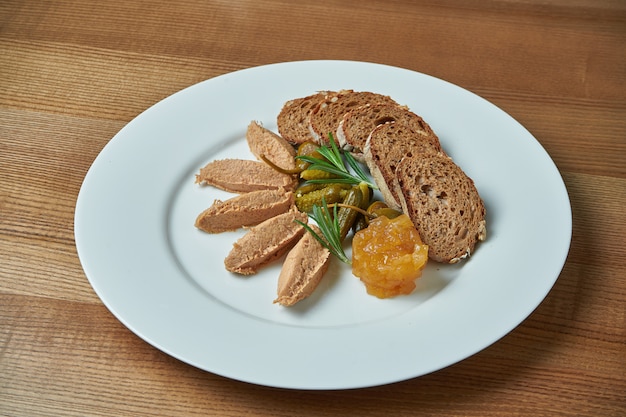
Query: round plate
x: 165, y: 280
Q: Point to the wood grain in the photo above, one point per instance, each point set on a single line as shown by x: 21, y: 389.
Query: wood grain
x: 74, y: 73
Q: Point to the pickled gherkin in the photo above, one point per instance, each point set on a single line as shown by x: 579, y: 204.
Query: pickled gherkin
x: 333, y: 193
x: 346, y: 216
x: 379, y: 208
x: 307, y: 187
x: 316, y: 174
x: 388, y: 212
x: 307, y: 149
x: 361, y: 221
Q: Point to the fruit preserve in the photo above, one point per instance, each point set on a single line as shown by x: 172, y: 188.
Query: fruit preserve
x: 388, y: 256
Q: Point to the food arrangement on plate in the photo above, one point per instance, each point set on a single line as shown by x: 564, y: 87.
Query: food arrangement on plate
x: 429, y: 208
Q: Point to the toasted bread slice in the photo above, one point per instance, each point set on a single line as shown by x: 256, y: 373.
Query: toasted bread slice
x: 265, y: 242
x: 244, y: 176
x: 324, y: 119
x: 265, y: 143
x: 293, y: 119
x: 244, y: 210
x: 389, y: 143
x: 303, y: 269
x: 443, y: 204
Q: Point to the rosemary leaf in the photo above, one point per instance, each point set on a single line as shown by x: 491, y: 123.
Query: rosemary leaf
x: 329, y: 226
x: 357, y: 168
x: 334, y: 164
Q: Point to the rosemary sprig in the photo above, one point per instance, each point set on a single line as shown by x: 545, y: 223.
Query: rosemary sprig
x: 331, y: 231
x: 334, y: 164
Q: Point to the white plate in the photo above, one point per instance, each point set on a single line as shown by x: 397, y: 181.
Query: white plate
x: 166, y: 282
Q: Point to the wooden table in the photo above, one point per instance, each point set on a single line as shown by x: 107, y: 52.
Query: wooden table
x: 74, y: 73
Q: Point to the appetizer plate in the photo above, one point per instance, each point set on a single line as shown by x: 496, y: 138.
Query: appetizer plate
x: 165, y: 280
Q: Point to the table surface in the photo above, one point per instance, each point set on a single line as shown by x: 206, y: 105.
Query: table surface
x: 73, y: 73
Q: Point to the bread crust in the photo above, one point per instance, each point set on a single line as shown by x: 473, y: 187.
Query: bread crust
x: 443, y: 204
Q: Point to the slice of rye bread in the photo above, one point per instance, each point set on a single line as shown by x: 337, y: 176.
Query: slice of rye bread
x: 325, y: 117
x: 293, y: 119
x: 357, y: 125
x: 388, y: 144
x: 443, y: 204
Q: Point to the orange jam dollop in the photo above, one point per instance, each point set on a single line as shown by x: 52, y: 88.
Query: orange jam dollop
x: 388, y: 256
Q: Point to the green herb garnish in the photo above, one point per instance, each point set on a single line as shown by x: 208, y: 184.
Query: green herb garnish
x: 331, y: 231
x: 334, y: 164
